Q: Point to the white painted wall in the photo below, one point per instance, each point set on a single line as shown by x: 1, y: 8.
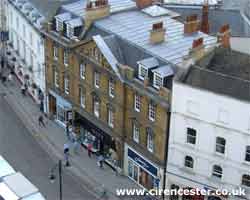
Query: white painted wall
x: 211, y: 115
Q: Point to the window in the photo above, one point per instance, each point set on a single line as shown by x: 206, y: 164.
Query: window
x: 158, y: 81
x: 220, y: 145
x: 55, y: 52
x: 82, y: 97
x: 97, y: 108
x: 70, y: 31
x: 82, y: 71
x: 111, y: 88
x: 56, y: 79
x: 245, y: 180
x: 66, y: 85
x: 66, y: 57
x: 151, y: 111
x: 96, y: 54
x: 97, y: 80
x: 59, y: 25
x: 191, y: 136
x: 110, y: 118
x: 142, y: 72
x: 150, y: 140
x: 217, y: 171
x: 136, y: 133
x: 189, y: 162
x: 137, y: 102
x: 247, y: 157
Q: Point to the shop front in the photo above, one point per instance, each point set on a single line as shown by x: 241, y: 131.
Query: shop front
x: 141, y: 170
x: 100, y: 141
x: 59, y: 109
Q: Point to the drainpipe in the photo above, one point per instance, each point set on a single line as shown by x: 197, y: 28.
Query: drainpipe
x: 166, y: 153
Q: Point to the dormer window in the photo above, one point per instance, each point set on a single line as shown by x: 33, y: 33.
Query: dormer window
x: 158, y: 81
x: 145, y: 67
x: 70, y: 31
x: 143, y: 72
x: 59, y: 25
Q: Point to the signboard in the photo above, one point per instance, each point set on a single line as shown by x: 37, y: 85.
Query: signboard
x: 142, y: 162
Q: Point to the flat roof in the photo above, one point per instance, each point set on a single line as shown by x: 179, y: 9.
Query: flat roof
x: 164, y: 71
x: 149, y: 62
x: 156, y: 11
x: 191, y: 2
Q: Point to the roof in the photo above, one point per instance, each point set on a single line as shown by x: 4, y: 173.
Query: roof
x: 149, y: 62
x: 20, y: 185
x: 115, y: 6
x: 36, y: 196
x: 75, y: 22
x: 156, y: 10
x: 6, y: 192
x: 191, y: 2
x: 228, y: 73
x: 63, y: 16
x: 164, y: 71
x: 5, y: 168
x: 134, y: 27
x: 107, y: 53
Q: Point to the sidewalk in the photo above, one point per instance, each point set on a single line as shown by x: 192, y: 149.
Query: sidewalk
x: 53, y: 137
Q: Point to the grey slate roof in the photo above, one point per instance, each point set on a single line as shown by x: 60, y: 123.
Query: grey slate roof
x: 134, y: 27
x: 218, y: 17
x: 149, y: 62
x: 227, y: 73
x: 164, y: 71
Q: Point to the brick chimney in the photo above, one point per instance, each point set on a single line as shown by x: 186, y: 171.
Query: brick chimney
x: 204, y: 21
x: 191, y: 25
x: 157, y: 34
x: 143, y: 3
x: 223, y: 37
x: 198, y: 49
x: 96, y: 10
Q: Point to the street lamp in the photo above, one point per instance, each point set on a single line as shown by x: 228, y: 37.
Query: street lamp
x: 52, y: 176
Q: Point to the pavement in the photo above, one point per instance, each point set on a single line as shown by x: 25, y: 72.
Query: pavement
x: 52, y: 138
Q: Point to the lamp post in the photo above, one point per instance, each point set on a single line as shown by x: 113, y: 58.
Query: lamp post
x: 52, y: 176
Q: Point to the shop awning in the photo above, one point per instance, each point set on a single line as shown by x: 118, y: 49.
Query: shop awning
x: 5, y: 168
x: 6, y: 193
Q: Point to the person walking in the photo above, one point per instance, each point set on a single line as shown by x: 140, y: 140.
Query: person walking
x: 40, y: 121
x: 67, y: 130
x: 66, y: 154
x: 23, y: 89
x: 89, y: 148
x: 10, y: 77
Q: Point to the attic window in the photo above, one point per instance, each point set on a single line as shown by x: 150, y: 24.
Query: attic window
x: 59, y: 25
x: 143, y: 72
x: 70, y: 31
x: 158, y: 81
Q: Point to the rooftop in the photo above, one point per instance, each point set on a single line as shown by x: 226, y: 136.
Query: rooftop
x: 227, y: 72
x: 192, y: 2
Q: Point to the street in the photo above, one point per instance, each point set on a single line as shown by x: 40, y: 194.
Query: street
x: 21, y: 150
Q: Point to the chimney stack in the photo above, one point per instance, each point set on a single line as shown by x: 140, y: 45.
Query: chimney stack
x: 157, y: 34
x: 198, y: 49
x: 223, y: 37
x: 143, y: 3
x: 96, y: 10
x: 204, y: 21
x: 191, y: 25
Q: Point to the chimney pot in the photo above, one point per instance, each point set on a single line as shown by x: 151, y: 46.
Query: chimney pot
x: 191, y: 24
x: 143, y: 3
x: 205, y: 21
x: 223, y: 36
x: 157, y: 34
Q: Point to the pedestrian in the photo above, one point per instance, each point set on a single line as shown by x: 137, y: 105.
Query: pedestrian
x: 100, y: 161
x: 4, y: 79
x: 66, y: 157
x: 10, y: 77
x: 41, y: 106
x: 67, y: 130
x: 89, y: 148
x: 40, y: 121
x: 23, y: 90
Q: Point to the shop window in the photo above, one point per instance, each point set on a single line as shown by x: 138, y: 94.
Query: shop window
x: 191, y: 136
x: 66, y: 85
x: 189, y: 162
x: 137, y: 102
x: 220, y: 145
x: 97, y: 79
x: 97, y: 108
x: 130, y: 168
x: 150, y: 140
x: 247, y: 156
x: 66, y: 57
x: 146, y: 180
x: 151, y: 111
x: 217, y: 171
x: 56, y: 79
x: 111, y: 88
x: 55, y: 52
x: 174, y: 192
x: 136, y: 133
x: 82, y: 71
x: 245, y: 180
x: 82, y: 97
x: 60, y: 114
x: 110, y: 118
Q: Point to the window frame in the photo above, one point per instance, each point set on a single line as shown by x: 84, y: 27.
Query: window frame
x: 142, y: 75
x: 82, y: 97
x: 110, y: 118
x: 247, y: 153
x: 56, y: 78
x: 136, y: 133
x: 111, y: 88
x: 97, y: 81
x: 55, y: 52
x: 137, y: 102
x: 217, y: 173
x: 97, y: 109
x: 82, y: 70
x: 150, y: 143
x: 218, y: 146
x: 190, y: 137
x: 151, y: 111
x: 158, y: 86
x: 189, y: 163
x: 245, y: 181
x: 66, y: 85
x: 66, y: 57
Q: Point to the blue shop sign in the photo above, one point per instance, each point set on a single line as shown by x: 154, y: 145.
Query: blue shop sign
x: 142, y: 162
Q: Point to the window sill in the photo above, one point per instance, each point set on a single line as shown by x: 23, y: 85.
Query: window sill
x: 215, y: 179
x: 188, y: 170
x: 220, y: 155
x: 190, y: 146
x: 247, y: 163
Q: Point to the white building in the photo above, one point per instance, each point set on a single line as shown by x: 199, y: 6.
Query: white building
x: 26, y: 45
x: 209, y: 144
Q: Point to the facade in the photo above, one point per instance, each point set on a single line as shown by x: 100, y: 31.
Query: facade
x: 113, y: 84
x: 209, y: 142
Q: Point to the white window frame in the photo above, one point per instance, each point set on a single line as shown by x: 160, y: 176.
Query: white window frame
x: 150, y: 142
x: 97, y: 77
x: 151, y: 112
x: 59, y: 25
x: 142, y: 74
x: 111, y: 88
x: 56, y: 79
x: 158, y: 84
x: 190, y: 137
x: 247, y: 153
x: 217, y: 174
x: 82, y: 98
x: 136, y: 133
x: 66, y: 57
x: 55, y: 52
x: 189, y: 163
x: 82, y: 70
x: 66, y: 85
x: 97, y: 108
x: 220, y: 145
x: 245, y: 180
x: 137, y: 102
x: 110, y: 118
